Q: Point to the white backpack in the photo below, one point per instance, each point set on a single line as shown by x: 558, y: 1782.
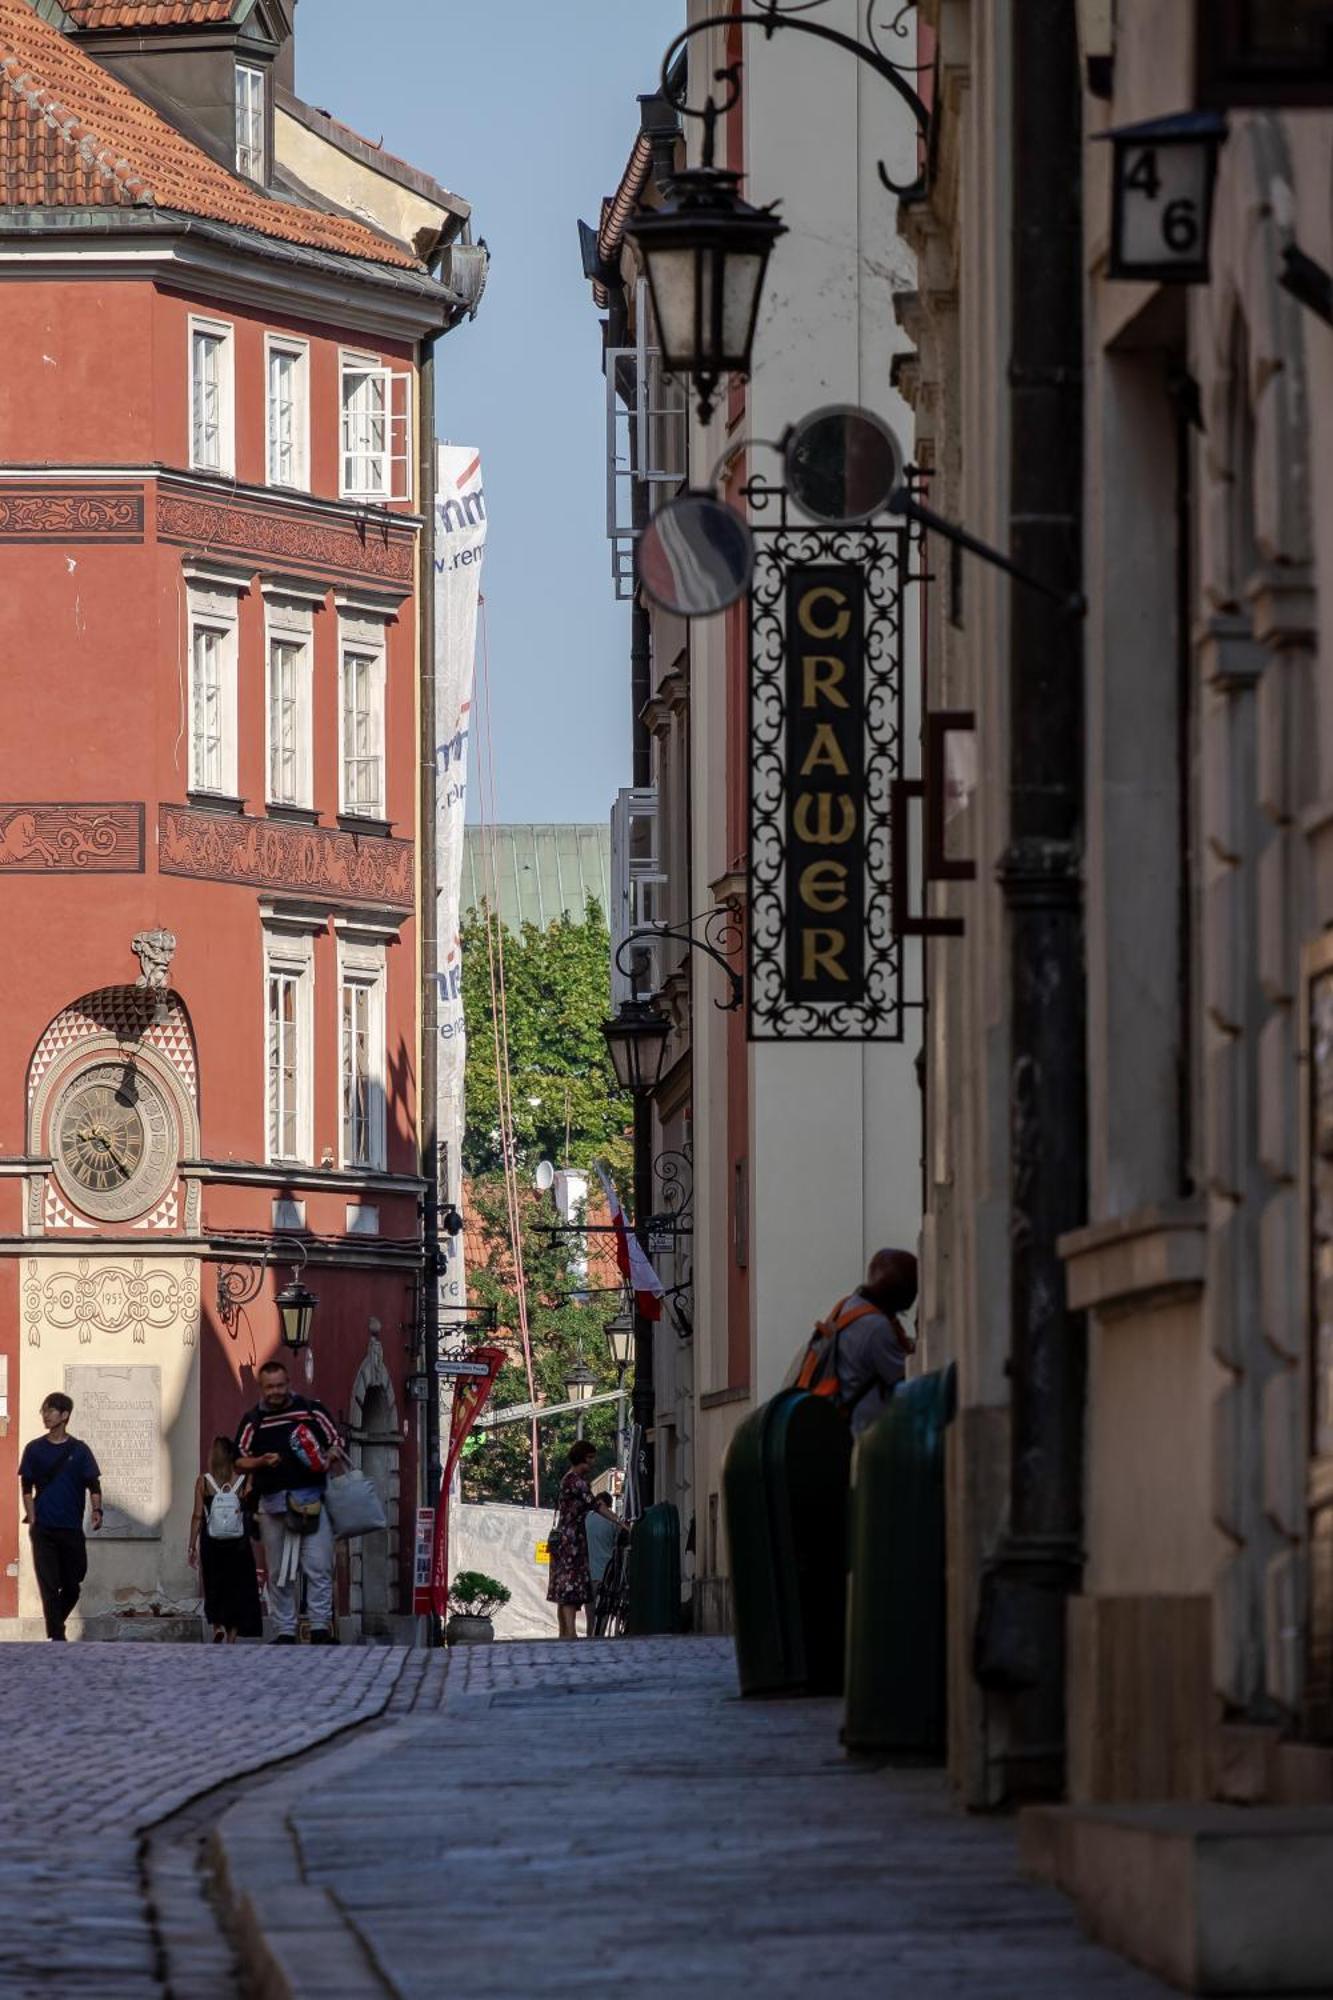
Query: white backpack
x: 226, y: 1518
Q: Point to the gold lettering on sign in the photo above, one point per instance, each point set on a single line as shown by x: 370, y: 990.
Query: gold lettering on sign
x: 826, y: 766
x: 821, y: 805
x: 821, y: 952
x: 824, y: 886
x: 825, y: 593
x: 824, y: 751
x: 822, y: 675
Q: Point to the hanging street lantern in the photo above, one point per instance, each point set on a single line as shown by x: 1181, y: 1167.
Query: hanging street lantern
x: 636, y: 1037
x: 620, y: 1340
x: 705, y: 254
x: 296, y: 1310
x: 580, y: 1382
x: 1162, y: 179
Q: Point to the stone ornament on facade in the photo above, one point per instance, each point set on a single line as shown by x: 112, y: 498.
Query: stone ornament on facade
x: 348, y: 867
x: 49, y: 513
x: 108, y: 1298
x: 374, y: 550
x: 56, y: 839
x: 154, y: 951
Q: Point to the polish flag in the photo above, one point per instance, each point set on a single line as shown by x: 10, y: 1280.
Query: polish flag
x: 631, y: 1256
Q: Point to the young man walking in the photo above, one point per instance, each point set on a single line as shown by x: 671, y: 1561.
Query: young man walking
x: 286, y: 1444
x: 56, y: 1472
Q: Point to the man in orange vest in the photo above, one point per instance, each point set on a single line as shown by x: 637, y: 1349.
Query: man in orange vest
x: 864, y: 1342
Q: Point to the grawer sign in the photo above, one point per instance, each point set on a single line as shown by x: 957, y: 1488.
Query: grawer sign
x: 825, y: 885
x: 826, y: 725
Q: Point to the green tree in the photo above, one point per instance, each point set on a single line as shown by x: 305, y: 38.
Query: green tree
x: 565, y: 1109
x: 556, y: 996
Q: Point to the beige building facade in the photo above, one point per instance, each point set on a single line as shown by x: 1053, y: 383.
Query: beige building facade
x: 1199, y: 1638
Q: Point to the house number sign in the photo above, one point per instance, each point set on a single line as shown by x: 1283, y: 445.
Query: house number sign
x: 1162, y: 197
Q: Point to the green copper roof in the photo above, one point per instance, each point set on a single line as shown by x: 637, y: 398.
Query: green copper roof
x: 539, y: 871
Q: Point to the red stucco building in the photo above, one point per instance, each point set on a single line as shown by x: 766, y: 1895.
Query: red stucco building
x: 217, y: 317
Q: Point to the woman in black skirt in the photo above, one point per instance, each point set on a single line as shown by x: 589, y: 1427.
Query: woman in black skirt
x: 225, y: 1555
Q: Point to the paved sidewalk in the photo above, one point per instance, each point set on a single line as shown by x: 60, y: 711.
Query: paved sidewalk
x: 611, y: 1818
x: 103, y: 1742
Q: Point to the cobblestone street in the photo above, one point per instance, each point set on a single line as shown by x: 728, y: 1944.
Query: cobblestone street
x: 106, y: 1741
x: 506, y: 1820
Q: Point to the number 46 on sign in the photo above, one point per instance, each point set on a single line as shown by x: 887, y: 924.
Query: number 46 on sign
x: 1163, y: 173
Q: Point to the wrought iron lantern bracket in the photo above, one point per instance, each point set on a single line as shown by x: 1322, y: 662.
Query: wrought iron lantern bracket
x: 770, y: 16
x: 239, y: 1285
x: 720, y: 922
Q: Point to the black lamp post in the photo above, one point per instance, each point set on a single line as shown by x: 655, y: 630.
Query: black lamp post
x: 579, y: 1385
x: 637, y: 1039
x: 296, y: 1310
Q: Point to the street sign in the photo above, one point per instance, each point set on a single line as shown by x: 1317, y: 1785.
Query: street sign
x: 477, y: 1368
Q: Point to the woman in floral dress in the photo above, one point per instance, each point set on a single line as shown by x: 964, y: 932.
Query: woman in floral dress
x: 570, y: 1586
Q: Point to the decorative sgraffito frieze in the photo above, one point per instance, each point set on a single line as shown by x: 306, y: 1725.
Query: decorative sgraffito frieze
x: 110, y: 1298
x: 372, y: 549
x: 62, y: 514
x: 58, y: 839
x: 309, y: 861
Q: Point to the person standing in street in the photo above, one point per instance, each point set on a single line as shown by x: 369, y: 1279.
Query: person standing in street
x: 862, y: 1347
x: 287, y: 1444
x: 220, y: 1545
x: 57, y: 1472
x: 570, y: 1585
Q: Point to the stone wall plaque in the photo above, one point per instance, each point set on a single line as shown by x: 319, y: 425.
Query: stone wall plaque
x: 118, y: 1414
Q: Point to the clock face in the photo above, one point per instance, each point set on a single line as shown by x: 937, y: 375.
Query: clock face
x: 112, y: 1141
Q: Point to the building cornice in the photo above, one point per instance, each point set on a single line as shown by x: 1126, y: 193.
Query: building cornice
x: 207, y: 485
x: 283, y: 280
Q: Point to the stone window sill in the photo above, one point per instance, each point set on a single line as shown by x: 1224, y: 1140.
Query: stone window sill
x: 1156, y: 1253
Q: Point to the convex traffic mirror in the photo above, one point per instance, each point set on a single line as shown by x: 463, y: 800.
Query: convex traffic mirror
x: 696, y: 556
x: 841, y: 464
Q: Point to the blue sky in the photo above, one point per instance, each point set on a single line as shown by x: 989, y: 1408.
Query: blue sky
x: 527, y: 108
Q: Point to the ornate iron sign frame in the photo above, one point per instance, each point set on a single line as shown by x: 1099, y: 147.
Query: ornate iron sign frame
x: 878, y: 555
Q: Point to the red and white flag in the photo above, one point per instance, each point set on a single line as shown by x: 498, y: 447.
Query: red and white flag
x: 631, y: 1256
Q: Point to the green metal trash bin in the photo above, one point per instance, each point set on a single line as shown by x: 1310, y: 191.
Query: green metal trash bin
x: 896, y: 1690
x: 654, y: 1572
x: 784, y: 1487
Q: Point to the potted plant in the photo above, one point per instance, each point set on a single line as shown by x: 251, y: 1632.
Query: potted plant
x: 473, y: 1600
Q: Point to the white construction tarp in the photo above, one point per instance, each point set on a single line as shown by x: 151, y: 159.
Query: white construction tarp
x: 460, y: 542
x: 508, y: 1543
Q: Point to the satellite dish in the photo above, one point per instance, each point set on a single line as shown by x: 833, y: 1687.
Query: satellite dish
x: 696, y: 556
x: 842, y: 463
x: 544, y: 1178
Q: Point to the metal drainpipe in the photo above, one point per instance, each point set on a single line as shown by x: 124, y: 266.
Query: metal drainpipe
x: 430, y: 1249
x: 1021, y: 1631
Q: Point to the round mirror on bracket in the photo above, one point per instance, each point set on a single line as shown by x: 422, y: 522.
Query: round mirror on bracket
x: 842, y: 463
x: 696, y: 556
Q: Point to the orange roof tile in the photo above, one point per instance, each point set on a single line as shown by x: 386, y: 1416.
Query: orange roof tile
x: 148, y: 13
x: 73, y: 136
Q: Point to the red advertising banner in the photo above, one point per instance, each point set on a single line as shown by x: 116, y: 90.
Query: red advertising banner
x: 469, y: 1399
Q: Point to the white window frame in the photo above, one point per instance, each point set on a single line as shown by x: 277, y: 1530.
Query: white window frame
x: 289, y: 962
x: 362, y: 639
x: 290, y: 623
x: 252, y: 131
x: 286, y: 347
x: 212, y: 610
x: 224, y: 333
x: 371, y: 468
x: 362, y: 972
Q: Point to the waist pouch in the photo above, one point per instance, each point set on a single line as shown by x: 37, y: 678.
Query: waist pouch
x: 305, y: 1504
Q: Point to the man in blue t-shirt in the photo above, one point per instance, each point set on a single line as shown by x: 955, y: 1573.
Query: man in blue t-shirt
x: 56, y: 1472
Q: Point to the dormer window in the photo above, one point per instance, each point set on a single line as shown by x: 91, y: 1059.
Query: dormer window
x: 250, y: 122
